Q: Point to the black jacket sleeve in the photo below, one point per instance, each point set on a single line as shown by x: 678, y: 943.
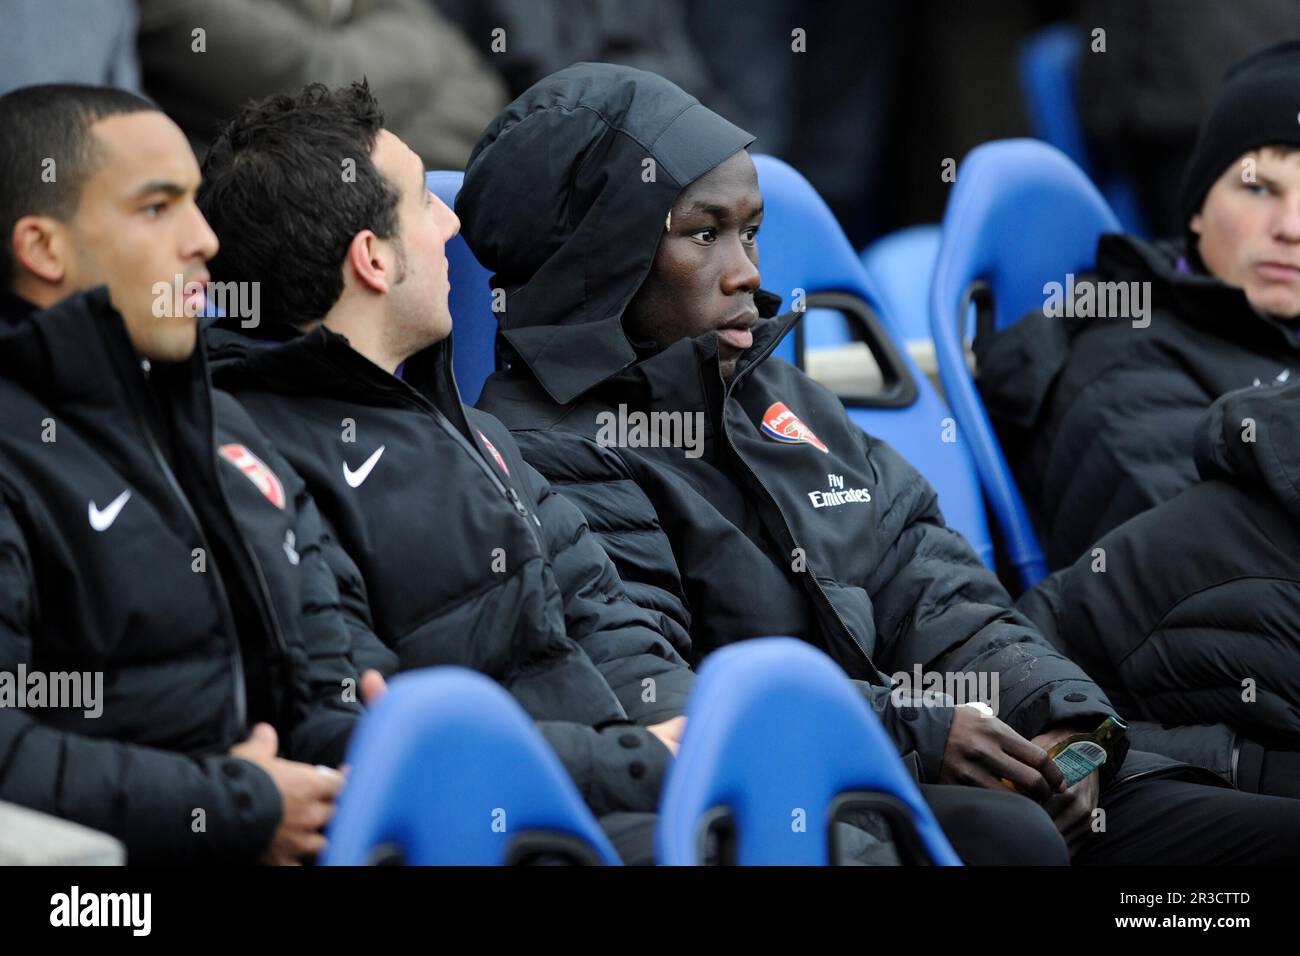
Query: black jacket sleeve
x: 143, y: 796
x: 333, y: 705
x: 938, y: 606
x: 627, y: 643
x: 623, y: 521
x: 619, y: 768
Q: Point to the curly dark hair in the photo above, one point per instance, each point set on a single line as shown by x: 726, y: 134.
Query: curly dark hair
x: 286, y: 187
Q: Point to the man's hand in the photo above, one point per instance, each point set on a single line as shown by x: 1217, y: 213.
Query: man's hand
x: 670, y: 733
x: 1072, y: 809
x: 307, y: 796
x: 982, y: 751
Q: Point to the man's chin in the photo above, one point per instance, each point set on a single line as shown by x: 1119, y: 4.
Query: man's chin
x: 1282, y: 305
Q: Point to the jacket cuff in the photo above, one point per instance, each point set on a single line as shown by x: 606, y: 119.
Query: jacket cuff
x: 629, y: 766
x: 915, y: 727
x: 254, y: 808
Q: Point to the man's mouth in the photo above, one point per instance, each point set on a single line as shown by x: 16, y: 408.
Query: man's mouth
x: 1278, y: 271
x: 196, y: 295
x: 738, y: 332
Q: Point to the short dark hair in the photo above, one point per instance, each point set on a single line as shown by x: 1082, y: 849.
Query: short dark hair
x: 50, y: 122
x: 280, y: 193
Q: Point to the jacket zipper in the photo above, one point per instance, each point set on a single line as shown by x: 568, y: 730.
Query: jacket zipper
x: 771, y: 501
x: 507, y: 492
x: 236, y: 654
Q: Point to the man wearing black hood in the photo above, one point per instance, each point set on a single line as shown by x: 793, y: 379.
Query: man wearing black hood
x: 620, y: 218
x: 1189, y: 613
x: 1097, y: 415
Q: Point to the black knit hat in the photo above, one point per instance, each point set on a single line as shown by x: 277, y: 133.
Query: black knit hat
x: 1257, y: 104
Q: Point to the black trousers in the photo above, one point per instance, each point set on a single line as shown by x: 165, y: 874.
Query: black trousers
x: 1148, y: 821
x: 985, y: 827
x: 1173, y: 822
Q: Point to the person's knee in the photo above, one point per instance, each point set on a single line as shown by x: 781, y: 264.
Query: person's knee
x: 993, y: 828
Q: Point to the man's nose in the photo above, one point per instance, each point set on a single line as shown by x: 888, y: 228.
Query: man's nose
x: 451, y: 222
x: 741, y: 272
x: 201, y: 241
x: 1287, y: 227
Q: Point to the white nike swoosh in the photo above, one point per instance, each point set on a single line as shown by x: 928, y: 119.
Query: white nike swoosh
x: 101, y: 520
x: 355, y: 478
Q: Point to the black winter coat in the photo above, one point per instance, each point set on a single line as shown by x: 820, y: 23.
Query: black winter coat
x: 1194, y: 617
x: 1097, y: 416
x: 465, y: 556
x: 150, y: 532
x: 792, y: 520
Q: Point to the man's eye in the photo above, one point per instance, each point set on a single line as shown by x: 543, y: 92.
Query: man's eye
x: 751, y: 233
x: 705, y: 235
x: 154, y: 210
x: 1257, y: 189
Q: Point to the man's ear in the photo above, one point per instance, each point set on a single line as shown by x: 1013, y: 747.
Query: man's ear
x: 40, y: 246
x: 1197, y: 224
x: 366, y: 260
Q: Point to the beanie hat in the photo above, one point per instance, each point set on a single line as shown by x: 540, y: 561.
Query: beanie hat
x: 1257, y: 104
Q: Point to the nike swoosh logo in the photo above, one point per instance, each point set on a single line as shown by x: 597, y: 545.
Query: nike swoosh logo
x: 102, y: 520
x: 355, y: 478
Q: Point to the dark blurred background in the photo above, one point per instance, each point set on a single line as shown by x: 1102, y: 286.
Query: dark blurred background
x: 868, y: 101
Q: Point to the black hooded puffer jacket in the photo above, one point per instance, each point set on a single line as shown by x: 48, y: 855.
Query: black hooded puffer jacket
x: 1194, y: 616
x: 791, y: 521
x: 1097, y: 416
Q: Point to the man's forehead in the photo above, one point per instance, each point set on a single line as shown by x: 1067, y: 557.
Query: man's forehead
x: 135, y: 149
x: 731, y: 187
x: 396, y: 160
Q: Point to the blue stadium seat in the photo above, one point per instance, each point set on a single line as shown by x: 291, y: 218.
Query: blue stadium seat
x: 474, y: 327
x: 900, y: 266
x: 1049, y: 81
x: 1020, y: 215
x: 778, y: 741
x: 448, y: 770
x: 802, y: 247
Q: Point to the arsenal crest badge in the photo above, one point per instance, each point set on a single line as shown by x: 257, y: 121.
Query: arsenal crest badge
x: 256, y: 471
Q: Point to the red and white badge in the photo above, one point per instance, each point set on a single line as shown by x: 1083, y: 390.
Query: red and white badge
x: 256, y: 471
x: 495, y: 454
x: 781, y: 424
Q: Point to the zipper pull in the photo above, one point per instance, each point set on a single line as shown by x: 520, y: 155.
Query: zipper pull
x: 519, y: 506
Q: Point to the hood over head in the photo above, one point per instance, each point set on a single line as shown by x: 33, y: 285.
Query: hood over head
x: 564, y: 200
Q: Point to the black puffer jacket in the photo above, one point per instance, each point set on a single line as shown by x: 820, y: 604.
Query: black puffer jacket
x: 792, y: 521
x: 1097, y: 416
x: 1195, y: 618
x: 149, y: 531
x: 465, y: 554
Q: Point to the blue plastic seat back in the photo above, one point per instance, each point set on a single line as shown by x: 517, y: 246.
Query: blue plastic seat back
x: 900, y: 266
x: 448, y: 769
x: 1049, y: 81
x: 1020, y: 215
x: 474, y: 327
x: 801, y: 247
x: 775, y: 736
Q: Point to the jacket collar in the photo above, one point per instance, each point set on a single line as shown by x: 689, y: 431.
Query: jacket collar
x: 569, y: 361
x: 323, y: 362
x: 1200, y: 298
